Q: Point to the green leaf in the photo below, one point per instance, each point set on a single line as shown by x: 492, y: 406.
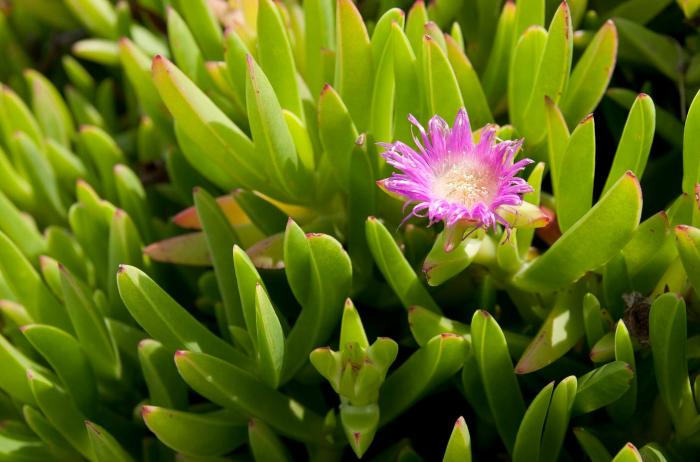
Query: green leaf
x: 407, y: 87
x: 66, y: 357
x: 265, y: 444
x: 23, y: 233
x: 593, y: 322
x: 557, y: 141
x: 649, y: 252
x: 353, y: 65
x: 594, y: 449
x: 557, y: 420
x: 602, y: 386
x: 384, y: 90
x: 337, y: 133
x: 98, y: 16
x: 395, y: 268
x: 624, y: 407
x: 269, y: 339
x: 90, y: 328
x: 691, y: 145
x: 560, y: 331
x: 61, y: 411
x: 28, y: 288
x: 469, y: 85
x: 100, y: 51
x: 634, y: 147
x: 83, y: 111
x: 124, y: 248
x: 104, y: 153
x: 40, y: 174
x: 165, y: 387
x: 531, y: 427
x: 552, y: 74
x: 499, y: 380
x: 495, y: 76
x: 591, y: 75
x: 590, y: 242
x: 220, y: 238
x: 319, y: 273
x: 235, y: 389
x: 186, y: 52
x: 16, y: 117
x: 668, y: 337
x: 273, y: 141
x: 525, y: 58
x: 276, y: 58
x: 459, y: 447
x: 203, y: 435
x: 528, y: 13
x: 13, y: 380
x: 425, y: 369
x: 168, y: 322
x: 439, y: 266
x: 628, y: 454
x: 204, y: 25
x: 222, y: 145
x: 137, y: 66
x: 42, y: 427
x: 267, y: 217
x: 575, y: 178
x: 49, y: 108
x: 320, y: 33
x: 443, y: 93
x: 105, y: 447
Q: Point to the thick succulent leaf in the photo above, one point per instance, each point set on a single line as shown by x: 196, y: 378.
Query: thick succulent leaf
x: 353, y: 69
x: 628, y: 453
x: 439, y: 266
x: 13, y: 380
x: 395, y: 268
x: 235, y: 389
x: 428, y: 367
x: 441, y: 86
x: 495, y: 75
x: 204, y: 26
x: 593, y: 322
x: 557, y: 141
x: 532, y: 426
x: 590, y: 242
x: 557, y: 419
x: 168, y: 322
x: 269, y: 339
x: 496, y: 371
x: 320, y: 33
x: 691, y: 145
x: 66, y: 357
x: 526, y: 58
x: 602, y: 386
x: 49, y: 108
x: 165, y: 388
x: 28, y: 288
x: 98, y: 16
x: 561, y: 330
x: 223, y: 146
x: 575, y: 175
x: 319, y: 273
x: 220, y: 238
x: 203, y: 435
x: 276, y: 58
x: 61, y: 411
x: 469, y: 85
x: 185, y: 249
x: 104, y: 153
x: 42, y: 427
x: 624, y: 408
x: 23, y: 233
x: 337, y: 133
x: 459, y: 447
x: 591, y: 75
x: 667, y: 335
x: 90, y: 328
x: 634, y: 147
x: 105, y: 447
x: 649, y: 252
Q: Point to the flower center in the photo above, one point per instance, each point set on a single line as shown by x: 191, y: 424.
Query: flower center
x: 466, y: 184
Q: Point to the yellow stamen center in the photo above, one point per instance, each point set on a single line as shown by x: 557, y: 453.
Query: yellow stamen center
x: 466, y: 184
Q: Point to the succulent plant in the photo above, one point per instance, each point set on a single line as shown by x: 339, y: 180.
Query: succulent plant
x: 209, y: 207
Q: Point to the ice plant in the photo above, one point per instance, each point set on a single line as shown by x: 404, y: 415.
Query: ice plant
x: 451, y: 178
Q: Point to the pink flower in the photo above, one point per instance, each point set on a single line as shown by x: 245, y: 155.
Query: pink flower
x: 466, y: 185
